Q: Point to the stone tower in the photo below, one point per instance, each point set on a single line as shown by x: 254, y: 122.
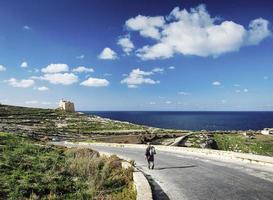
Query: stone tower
x: 66, y: 106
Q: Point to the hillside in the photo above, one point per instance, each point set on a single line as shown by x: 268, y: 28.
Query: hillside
x: 31, y: 169
x: 49, y: 123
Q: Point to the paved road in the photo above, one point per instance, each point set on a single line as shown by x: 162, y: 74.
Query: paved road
x: 178, y: 176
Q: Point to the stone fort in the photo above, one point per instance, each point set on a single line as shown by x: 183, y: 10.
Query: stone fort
x: 66, y: 106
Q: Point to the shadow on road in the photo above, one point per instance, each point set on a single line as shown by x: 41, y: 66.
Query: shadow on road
x: 158, y: 193
x: 177, y: 167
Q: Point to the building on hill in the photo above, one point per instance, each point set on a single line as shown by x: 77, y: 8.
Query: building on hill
x: 66, y: 106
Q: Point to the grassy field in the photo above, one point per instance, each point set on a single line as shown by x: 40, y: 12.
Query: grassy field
x: 34, y: 170
x: 260, y: 144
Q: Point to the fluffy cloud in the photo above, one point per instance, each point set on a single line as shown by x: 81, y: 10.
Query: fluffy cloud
x: 60, y: 78
x: 24, y: 65
x: 171, y: 67
x: 2, y: 68
x: 24, y: 83
x: 216, y: 83
x: 108, y: 54
x: 195, y: 32
x: 126, y: 44
x: 95, y: 82
x: 138, y: 77
x: 147, y: 26
x: 55, y: 68
x: 258, y: 30
x: 81, y: 69
x: 43, y: 88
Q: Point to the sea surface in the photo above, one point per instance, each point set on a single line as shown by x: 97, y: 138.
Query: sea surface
x: 193, y: 120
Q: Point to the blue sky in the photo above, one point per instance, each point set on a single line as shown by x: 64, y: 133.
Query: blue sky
x: 142, y: 55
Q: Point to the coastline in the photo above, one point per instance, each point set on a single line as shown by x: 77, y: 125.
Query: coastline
x: 52, y: 125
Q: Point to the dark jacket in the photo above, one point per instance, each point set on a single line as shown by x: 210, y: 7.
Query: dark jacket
x: 150, y: 151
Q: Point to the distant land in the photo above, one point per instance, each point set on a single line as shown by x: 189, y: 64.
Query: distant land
x: 54, y: 124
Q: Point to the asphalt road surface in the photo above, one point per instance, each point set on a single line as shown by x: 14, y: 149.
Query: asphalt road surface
x: 178, y: 176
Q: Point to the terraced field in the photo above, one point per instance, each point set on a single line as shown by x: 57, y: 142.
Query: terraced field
x: 50, y: 123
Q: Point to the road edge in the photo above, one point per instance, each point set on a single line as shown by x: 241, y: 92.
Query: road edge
x: 228, y: 156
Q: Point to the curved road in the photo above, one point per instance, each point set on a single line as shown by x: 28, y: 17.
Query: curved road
x: 179, y: 176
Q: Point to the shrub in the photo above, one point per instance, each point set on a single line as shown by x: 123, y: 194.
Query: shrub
x: 31, y: 170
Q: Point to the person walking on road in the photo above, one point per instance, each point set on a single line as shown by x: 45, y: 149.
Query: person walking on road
x: 150, y: 152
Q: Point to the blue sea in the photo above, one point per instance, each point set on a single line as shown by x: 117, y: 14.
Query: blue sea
x: 193, y: 120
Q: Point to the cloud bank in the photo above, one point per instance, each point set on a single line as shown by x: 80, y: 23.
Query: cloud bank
x: 194, y: 32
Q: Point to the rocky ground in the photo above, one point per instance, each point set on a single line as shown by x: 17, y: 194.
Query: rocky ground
x: 47, y: 124
x: 51, y: 124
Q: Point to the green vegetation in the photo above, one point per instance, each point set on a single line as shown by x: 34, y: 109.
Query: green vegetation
x: 48, y: 123
x: 261, y: 145
x: 34, y: 170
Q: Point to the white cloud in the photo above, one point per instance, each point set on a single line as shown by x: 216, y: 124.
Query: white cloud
x: 126, y: 44
x: 195, y: 32
x: 107, y: 74
x: 108, y: 54
x: 158, y: 69
x: 24, y: 65
x: 42, y: 88
x: 132, y: 86
x: 2, y: 68
x: 258, y: 30
x: 60, y: 78
x: 147, y: 26
x: 26, y: 27
x: 184, y: 93
x: 171, y: 67
x: 245, y: 90
x: 95, y: 82
x: 168, y: 102
x: 24, y: 83
x: 159, y: 50
x: 152, y: 103
x: 80, y: 56
x: 138, y: 77
x: 216, y: 83
x: 55, y: 68
x: 81, y: 69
